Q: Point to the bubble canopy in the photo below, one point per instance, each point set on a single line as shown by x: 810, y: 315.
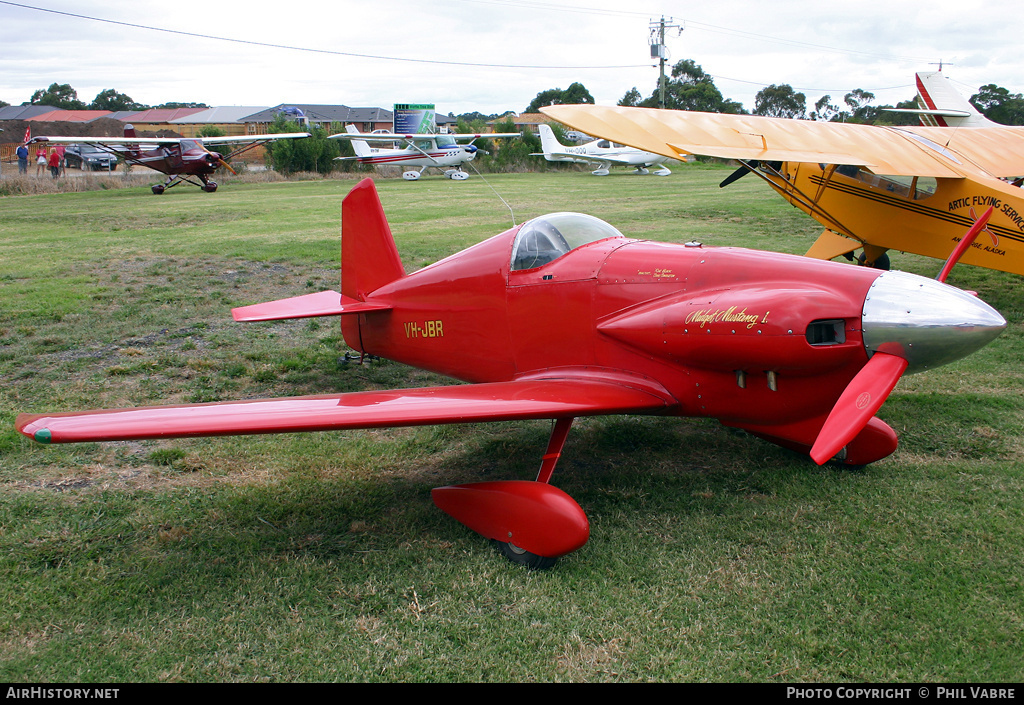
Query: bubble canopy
x: 550, y: 236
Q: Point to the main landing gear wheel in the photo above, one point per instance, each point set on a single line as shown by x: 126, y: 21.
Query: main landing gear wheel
x: 210, y: 186
x: 521, y: 556
x: 158, y: 189
x: 881, y: 263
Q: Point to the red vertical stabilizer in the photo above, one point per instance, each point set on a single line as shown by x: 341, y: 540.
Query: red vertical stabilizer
x: 369, y: 258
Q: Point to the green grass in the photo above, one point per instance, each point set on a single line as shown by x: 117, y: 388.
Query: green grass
x: 320, y: 557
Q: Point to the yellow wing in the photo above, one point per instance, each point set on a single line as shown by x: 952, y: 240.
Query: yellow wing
x: 998, y: 149
x: 883, y: 150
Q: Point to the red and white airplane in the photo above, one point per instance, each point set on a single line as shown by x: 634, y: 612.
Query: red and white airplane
x: 600, y: 152
x: 440, y: 151
x: 181, y: 158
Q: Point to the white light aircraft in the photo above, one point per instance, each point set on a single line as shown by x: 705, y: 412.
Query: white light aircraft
x: 600, y: 152
x: 421, y: 150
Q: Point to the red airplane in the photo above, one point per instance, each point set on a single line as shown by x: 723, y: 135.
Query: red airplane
x: 181, y: 158
x: 562, y: 317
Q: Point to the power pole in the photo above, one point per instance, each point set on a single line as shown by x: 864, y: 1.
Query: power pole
x: 660, y: 52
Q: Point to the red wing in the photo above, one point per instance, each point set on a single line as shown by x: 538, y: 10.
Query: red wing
x: 498, y: 401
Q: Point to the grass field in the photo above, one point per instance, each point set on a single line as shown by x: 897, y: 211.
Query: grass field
x: 713, y: 556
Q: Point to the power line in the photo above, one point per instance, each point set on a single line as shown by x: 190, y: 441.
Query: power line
x: 314, y: 51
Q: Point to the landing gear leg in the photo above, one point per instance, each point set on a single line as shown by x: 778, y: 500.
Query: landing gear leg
x: 521, y: 556
x: 532, y: 522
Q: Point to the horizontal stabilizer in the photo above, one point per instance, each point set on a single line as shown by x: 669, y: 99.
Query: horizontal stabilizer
x: 471, y: 403
x: 324, y: 303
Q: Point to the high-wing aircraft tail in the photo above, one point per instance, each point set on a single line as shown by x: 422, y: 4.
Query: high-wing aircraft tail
x: 361, y: 147
x: 942, y: 105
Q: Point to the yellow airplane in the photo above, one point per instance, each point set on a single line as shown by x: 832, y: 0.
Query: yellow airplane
x: 910, y: 189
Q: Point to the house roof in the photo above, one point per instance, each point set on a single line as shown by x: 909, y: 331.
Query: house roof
x: 61, y: 115
x: 23, y: 112
x: 526, y: 119
x: 222, y: 114
x: 325, y: 113
x: 164, y: 114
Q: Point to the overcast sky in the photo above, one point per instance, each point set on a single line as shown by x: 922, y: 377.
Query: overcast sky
x: 496, y: 55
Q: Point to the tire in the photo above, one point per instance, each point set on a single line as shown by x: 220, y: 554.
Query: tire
x: 880, y: 263
x: 523, y: 557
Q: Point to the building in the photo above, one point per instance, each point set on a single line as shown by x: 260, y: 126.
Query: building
x: 366, y: 119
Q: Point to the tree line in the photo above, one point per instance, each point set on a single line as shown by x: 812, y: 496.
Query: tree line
x: 62, y: 95
x: 688, y: 88
x: 691, y: 88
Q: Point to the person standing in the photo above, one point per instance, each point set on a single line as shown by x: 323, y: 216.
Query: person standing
x: 54, y: 163
x: 40, y: 160
x: 59, y: 149
x: 22, y: 152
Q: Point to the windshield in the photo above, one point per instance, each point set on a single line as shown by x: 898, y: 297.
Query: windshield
x: 548, y: 237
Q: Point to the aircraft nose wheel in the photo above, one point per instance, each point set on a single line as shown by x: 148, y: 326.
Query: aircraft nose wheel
x: 520, y: 556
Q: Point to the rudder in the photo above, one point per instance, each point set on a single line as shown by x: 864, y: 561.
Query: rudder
x: 360, y: 147
x: 369, y: 257
x: 548, y: 140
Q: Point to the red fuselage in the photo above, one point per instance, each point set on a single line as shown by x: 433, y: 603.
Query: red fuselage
x: 187, y: 158
x: 729, y: 333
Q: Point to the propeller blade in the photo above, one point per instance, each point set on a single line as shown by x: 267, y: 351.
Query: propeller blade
x: 961, y: 248
x: 736, y: 175
x: 228, y: 167
x: 863, y: 396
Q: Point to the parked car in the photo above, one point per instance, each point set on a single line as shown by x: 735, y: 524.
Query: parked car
x: 87, y: 156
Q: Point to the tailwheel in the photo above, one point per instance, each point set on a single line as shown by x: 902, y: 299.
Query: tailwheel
x: 520, y: 556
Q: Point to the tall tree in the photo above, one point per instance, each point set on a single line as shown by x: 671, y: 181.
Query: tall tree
x: 575, y: 94
x: 999, y: 105
x: 860, y: 111
x: 113, y: 101
x: 780, y: 101
x: 690, y: 88
x: 632, y: 98
x: 824, y: 110
x: 59, y: 96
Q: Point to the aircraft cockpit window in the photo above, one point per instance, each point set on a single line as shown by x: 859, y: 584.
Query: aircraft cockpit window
x: 911, y: 187
x: 190, y: 144
x: 548, y: 237
x: 444, y: 141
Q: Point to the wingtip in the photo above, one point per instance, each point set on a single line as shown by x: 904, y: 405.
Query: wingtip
x: 28, y: 426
